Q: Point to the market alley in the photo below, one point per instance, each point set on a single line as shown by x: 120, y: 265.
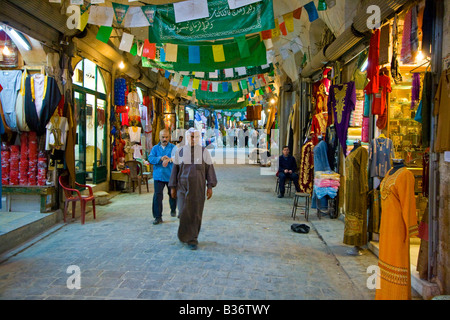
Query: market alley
x: 246, y: 251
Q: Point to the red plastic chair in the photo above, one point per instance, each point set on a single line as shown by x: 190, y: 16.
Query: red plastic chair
x: 70, y: 197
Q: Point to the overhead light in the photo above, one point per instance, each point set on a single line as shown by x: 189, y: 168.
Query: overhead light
x: 6, y: 51
x: 121, y: 65
x: 365, y: 65
x: 420, y: 56
x: 272, y: 101
x: 20, y: 38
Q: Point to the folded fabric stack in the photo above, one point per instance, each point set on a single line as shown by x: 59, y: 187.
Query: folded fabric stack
x: 326, y: 183
x: 42, y: 169
x: 32, y: 158
x: 23, y: 165
x: 6, y: 154
x: 14, y: 161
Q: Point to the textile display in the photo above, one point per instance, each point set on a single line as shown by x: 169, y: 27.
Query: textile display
x: 221, y: 23
x: 380, y: 98
x: 398, y: 224
x: 11, y: 81
x: 42, y: 97
x: 381, y: 151
x: 356, y: 189
x: 373, y: 67
x: 442, y: 111
x: 307, y: 168
x: 341, y: 103
x: 320, y: 164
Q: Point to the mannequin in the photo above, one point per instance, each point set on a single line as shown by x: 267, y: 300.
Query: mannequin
x: 356, y: 145
x: 398, y: 164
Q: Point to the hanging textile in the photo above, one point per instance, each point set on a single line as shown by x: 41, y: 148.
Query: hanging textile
x: 42, y: 97
x: 11, y: 81
x: 406, y: 53
x: 427, y: 101
x: 398, y: 224
x: 381, y: 151
x: 442, y: 111
x: 373, y: 63
x: 356, y: 188
x: 341, y: 103
x: 307, y: 168
x: 395, y: 68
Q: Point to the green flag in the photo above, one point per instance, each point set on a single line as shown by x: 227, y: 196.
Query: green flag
x: 243, y: 46
x: 104, y: 33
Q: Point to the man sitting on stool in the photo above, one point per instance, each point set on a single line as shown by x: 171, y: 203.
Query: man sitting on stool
x: 287, y: 169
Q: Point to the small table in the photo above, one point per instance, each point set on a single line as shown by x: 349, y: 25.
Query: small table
x: 43, y: 191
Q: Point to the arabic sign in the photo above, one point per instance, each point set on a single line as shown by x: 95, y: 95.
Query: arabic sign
x: 222, y: 22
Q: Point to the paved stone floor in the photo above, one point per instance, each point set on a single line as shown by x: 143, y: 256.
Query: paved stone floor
x: 246, y: 251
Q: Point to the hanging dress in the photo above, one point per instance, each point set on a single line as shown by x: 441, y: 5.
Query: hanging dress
x: 357, y: 186
x: 398, y: 224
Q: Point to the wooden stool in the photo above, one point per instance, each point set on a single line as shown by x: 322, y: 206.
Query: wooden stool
x: 288, y: 186
x: 304, y: 206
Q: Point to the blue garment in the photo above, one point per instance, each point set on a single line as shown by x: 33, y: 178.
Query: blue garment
x: 159, y: 172
x: 11, y: 81
x: 320, y: 164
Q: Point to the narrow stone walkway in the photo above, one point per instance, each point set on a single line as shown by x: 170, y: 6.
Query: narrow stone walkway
x: 246, y: 251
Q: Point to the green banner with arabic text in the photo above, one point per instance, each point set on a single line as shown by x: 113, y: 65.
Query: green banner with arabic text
x: 222, y: 22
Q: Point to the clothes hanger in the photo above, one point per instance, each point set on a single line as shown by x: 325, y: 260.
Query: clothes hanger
x: 427, y: 62
x: 382, y: 136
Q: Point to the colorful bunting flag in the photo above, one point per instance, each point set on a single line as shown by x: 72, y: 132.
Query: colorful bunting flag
x: 244, y: 50
x: 297, y: 13
x: 312, y: 11
x: 267, y: 34
x: 194, y: 54
x: 185, y: 82
x: 283, y: 29
x: 162, y: 55
x: 322, y: 6
x: 171, y: 52
x: 289, y: 21
x: 104, y: 33
x: 127, y: 42
x: 204, y: 85
x: 219, y: 55
x: 276, y: 30
x: 134, y: 49
x: 149, y: 50
x: 195, y: 83
x: 149, y: 13
x: 120, y: 10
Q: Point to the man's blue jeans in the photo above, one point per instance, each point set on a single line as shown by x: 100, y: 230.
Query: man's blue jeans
x: 158, y: 199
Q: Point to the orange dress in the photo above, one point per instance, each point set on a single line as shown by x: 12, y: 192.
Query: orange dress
x: 398, y: 224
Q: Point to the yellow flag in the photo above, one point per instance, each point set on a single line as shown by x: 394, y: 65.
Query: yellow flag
x: 171, y: 51
x: 235, y: 86
x: 276, y: 31
x: 195, y: 84
x: 289, y: 21
x: 219, y: 55
x: 83, y: 21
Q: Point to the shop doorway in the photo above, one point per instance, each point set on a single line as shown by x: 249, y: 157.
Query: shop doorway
x: 90, y: 110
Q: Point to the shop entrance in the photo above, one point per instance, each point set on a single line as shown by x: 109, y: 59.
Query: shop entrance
x: 90, y: 110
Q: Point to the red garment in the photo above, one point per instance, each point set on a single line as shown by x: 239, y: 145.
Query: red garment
x: 380, y: 98
x: 373, y: 67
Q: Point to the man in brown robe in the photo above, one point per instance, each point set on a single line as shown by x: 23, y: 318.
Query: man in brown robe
x: 192, y: 173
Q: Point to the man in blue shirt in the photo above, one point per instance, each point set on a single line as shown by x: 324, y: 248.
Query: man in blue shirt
x: 161, y: 158
x: 287, y: 169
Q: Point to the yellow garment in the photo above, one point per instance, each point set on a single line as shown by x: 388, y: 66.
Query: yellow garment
x: 398, y: 224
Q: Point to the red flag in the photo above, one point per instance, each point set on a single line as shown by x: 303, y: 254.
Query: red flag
x: 204, y: 85
x: 283, y: 28
x: 297, y: 13
x: 149, y: 50
x: 267, y: 34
